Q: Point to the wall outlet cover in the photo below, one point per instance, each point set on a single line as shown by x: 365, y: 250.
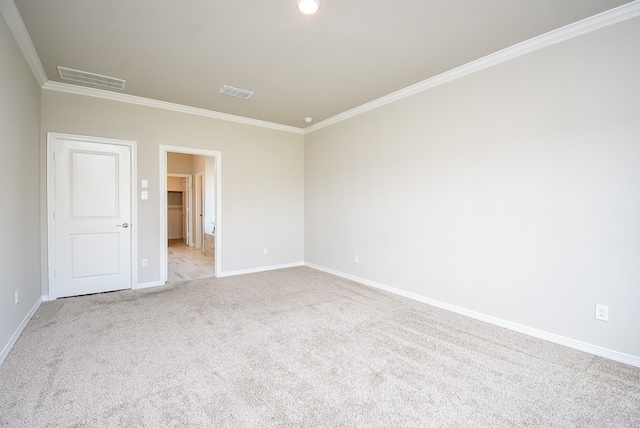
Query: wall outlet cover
x: 602, y: 312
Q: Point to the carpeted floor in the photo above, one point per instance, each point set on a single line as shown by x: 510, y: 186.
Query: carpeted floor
x: 301, y: 348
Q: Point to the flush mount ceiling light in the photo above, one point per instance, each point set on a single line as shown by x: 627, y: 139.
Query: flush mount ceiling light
x: 308, y: 7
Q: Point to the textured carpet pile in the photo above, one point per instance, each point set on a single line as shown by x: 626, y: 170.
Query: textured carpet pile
x: 301, y: 348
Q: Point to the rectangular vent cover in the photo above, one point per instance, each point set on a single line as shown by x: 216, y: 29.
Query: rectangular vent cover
x: 92, y: 78
x: 235, y: 92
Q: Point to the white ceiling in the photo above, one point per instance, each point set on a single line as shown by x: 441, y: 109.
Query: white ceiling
x: 351, y: 52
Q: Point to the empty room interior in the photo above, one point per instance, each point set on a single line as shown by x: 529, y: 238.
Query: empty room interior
x: 417, y: 213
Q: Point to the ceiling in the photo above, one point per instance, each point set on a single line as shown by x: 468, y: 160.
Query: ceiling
x: 349, y: 53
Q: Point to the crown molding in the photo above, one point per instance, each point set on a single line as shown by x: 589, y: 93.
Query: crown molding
x: 593, y: 23
x: 14, y: 21
x: 11, y: 15
x: 148, y: 102
x: 622, y: 13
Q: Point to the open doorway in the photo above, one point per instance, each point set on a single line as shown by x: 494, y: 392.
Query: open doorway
x: 196, y: 253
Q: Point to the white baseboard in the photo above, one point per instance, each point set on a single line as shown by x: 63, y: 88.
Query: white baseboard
x: 520, y: 328
x: 18, y: 332
x: 142, y: 285
x: 260, y: 269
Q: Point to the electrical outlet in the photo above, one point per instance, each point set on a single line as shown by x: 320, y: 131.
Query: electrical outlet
x: 145, y: 263
x: 265, y: 251
x: 15, y: 297
x: 602, y: 312
x: 356, y: 259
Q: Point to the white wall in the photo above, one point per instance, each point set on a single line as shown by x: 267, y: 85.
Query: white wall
x: 513, y: 192
x: 262, y: 175
x: 20, y: 188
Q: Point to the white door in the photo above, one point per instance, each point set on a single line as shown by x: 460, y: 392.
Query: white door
x: 187, y: 197
x: 91, y: 218
x: 185, y: 229
x: 199, y: 207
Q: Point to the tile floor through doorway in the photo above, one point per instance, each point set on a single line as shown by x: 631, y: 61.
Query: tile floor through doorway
x: 186, y: 263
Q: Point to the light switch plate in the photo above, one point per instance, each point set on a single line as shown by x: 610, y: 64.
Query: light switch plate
x: 145, y: 184
x: 144, y: 195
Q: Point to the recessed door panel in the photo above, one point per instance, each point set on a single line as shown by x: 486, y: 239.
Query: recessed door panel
x: 94, y: 255
x: 94, y: 185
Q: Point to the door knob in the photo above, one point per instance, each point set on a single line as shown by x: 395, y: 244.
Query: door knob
x: 125, y: 225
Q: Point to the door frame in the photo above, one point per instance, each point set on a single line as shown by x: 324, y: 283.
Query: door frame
x: 164, y: 249
x: 187, y: 197
x: 51, y: 247
x: 199, y: 208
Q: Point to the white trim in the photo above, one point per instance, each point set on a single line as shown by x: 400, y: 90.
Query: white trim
x: 162, y: 188
x: 19, y: 330
x: 50, y: 200
x: 260, y: 269
x: 148, y: 102
x: 604, y: 19
x: 199, y: 186
x: 520, y: 328
x: 146, y: 285
x: 14, y: 21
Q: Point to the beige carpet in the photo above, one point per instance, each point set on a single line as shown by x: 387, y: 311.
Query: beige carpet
x: 299, y: 348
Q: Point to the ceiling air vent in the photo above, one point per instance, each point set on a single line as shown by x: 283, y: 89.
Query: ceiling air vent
x: 92, y: 78
x: 235, y: 92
